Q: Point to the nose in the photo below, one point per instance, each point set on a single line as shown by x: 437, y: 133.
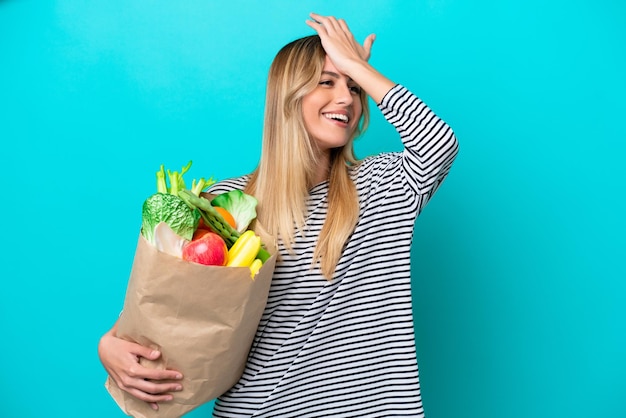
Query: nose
x: 343, y: 94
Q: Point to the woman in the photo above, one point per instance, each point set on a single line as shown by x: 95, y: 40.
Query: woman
x: 336, y: 337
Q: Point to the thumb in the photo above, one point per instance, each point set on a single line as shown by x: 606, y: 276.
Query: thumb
x: 367, y: 45
x: 146, y: 352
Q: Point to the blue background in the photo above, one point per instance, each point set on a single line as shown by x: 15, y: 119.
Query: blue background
x: 519, y: 291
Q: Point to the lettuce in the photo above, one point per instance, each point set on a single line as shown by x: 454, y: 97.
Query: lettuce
x: 239, y: 204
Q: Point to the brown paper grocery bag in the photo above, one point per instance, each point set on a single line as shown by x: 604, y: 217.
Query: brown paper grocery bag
x: 202, y: 318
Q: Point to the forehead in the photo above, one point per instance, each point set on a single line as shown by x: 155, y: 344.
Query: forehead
x: 330, y: 69
x: 329, y: 66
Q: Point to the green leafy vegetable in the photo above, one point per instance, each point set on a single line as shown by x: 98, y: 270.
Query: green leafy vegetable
x: 239, y: 204
x: 215, y: 221
x: 166, y: 206
x: 163, y: 207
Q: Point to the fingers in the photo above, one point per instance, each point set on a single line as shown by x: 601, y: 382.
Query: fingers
x: 331, y: 29
x: 141, y: 351
x: 328, y: 24
x: 343, y: 25
x: 147, y: 390
x: 316, y: 25
x: 121, y: 359
x: 148, y: 397
x: 154, y: 374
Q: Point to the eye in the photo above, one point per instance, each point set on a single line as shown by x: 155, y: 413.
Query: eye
x: 326, y: 83
x: 355, y: 89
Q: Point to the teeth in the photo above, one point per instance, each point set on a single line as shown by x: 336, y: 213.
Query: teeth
x: 337, y: 116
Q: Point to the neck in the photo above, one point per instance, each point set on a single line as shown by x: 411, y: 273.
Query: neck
x: 322, y: 170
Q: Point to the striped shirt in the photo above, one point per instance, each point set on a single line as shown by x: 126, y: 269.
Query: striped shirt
x: 346, y: 347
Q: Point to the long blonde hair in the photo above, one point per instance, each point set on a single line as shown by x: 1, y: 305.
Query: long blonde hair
x: 288, y: 162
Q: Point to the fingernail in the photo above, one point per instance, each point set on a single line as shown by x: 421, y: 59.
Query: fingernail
x: 154, y: 353
x: 179, y: 387
x: 155, y: 406
x: 179, y: 376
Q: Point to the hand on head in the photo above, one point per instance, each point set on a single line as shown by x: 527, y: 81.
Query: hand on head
x: 339, y: 43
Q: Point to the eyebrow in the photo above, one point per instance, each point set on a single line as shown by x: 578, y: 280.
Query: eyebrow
x: 335, y: 75
x: 330, y: 73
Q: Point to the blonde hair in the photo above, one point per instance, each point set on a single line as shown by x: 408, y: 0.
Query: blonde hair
x: 288, y: 163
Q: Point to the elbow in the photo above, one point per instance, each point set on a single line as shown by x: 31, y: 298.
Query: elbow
x: 453, y: 143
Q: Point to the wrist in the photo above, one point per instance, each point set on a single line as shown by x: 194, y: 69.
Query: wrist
x: 369, y: 79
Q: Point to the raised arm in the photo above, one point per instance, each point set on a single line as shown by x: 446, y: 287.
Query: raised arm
x: 349, y: 56
x: 430, y: 145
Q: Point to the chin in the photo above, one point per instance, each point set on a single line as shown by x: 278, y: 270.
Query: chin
x: 329, y: 145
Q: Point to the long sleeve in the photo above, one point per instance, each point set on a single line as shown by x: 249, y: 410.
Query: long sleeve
x: 320, y: 339
x: 430, y: 144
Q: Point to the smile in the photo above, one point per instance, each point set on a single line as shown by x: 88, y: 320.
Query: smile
x: 337, y: 116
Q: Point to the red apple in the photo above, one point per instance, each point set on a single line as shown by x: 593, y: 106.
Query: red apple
x: 208, y: 249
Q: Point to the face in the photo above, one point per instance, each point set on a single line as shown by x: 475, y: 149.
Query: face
x: 332, y: 110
